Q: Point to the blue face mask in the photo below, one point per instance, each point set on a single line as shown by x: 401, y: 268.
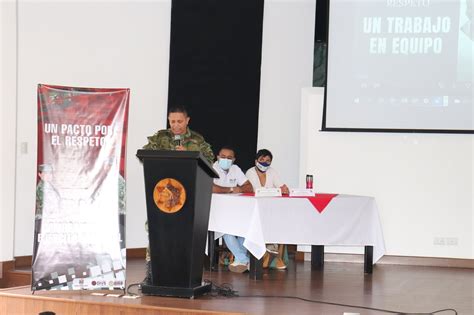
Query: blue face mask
x: 262, y: 166
x: 225, y: 164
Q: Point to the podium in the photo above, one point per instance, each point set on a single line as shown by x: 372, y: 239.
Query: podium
x: 178, y: 187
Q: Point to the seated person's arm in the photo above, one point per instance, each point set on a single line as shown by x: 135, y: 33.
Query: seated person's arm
x: 278, y: 183
x: 245, y: 188
x: 221, y: 190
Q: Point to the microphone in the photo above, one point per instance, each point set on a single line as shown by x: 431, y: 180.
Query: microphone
x: 177, y: 140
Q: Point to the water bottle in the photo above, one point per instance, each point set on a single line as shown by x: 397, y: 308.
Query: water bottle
x: 309, y: 181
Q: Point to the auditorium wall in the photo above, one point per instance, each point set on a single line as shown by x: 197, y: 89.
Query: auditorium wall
x: 422, y: 183
x: 287, y: 66
x: 126, y: 44
x: 96, y: 44
x: 7, y: 128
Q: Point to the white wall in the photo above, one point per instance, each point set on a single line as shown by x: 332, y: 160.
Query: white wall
x: 7, y: 126
x: 126, y: 44
x: 103, y: 44
x: 423, y: 183
x: 287, y: 66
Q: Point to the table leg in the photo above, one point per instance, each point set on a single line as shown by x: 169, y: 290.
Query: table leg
x: 368, y: 259
x: 317, y: 257
x: 211, y: 249
x: 256, y: 268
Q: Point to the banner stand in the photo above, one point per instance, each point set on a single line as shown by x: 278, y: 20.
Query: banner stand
x: 79, y: 240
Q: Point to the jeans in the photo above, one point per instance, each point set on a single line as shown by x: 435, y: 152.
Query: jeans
x: 235, y: 245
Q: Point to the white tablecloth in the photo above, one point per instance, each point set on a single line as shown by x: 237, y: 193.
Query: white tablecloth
x: 346, y: 221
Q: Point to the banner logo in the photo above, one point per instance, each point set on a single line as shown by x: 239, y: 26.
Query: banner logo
x: 169, y: 195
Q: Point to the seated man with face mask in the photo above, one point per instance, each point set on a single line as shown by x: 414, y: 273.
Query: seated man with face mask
x: 232, y: 180
x: 263, y: 175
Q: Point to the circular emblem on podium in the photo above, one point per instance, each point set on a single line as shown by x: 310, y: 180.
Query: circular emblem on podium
x: 169, y: 195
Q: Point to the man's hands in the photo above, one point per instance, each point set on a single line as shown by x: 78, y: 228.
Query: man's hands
x: 236, y: 190
x: 245, y: 188
x: 284, y: 190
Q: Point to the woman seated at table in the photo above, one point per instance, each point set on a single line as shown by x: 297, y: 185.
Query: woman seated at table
x: 263, y: 175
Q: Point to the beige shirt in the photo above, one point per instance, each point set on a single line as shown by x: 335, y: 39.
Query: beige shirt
x: 273, y: 179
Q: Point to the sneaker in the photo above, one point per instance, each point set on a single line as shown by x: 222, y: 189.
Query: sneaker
x: 238, y: 267
x: 278, y: 264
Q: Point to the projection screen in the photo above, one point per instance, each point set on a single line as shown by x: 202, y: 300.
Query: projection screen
x: 400, y: 66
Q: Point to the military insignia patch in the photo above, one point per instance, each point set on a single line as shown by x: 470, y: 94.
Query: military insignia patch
x: 169, y: 195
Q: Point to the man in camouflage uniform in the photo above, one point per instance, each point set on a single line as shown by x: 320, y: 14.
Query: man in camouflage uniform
x: 47, y: 196
x: 180, y: 138
x: 47, y: 199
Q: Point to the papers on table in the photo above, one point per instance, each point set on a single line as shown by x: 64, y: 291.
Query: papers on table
x: 268, y: 192
x: 301, y: 192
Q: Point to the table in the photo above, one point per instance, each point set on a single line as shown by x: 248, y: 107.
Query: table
x: 347, y: 220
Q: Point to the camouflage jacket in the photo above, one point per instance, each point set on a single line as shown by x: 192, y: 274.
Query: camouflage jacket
x: 122, y: 194
x: 192, y: 141
x: 46, y: 196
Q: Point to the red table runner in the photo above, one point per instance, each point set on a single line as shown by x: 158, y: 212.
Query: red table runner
x: 319, y: 201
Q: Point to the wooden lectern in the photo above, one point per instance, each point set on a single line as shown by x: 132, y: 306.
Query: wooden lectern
x: 178, y: 186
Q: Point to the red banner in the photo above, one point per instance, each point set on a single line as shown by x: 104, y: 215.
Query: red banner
x: 80, y: 193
